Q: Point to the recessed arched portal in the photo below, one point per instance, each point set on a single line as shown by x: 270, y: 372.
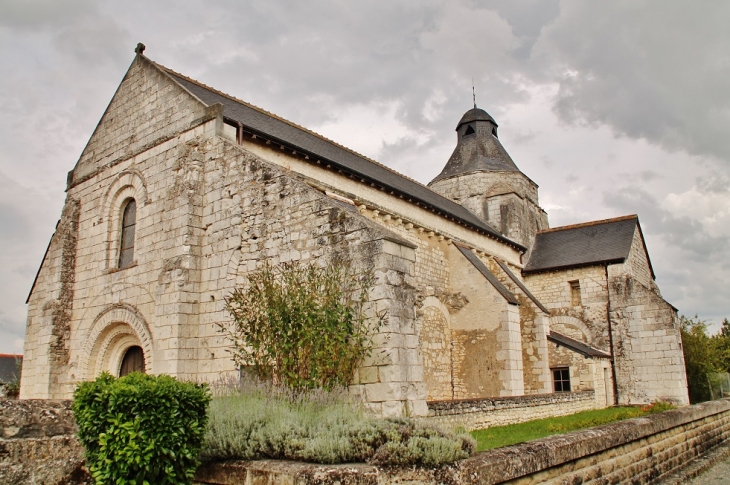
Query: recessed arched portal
x: 133, y: 361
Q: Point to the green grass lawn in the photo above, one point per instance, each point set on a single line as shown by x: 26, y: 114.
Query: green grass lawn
x: 499, y: 436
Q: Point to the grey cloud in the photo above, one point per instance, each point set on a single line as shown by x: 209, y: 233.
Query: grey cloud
x: 688, y: 235
x: 654, y: 70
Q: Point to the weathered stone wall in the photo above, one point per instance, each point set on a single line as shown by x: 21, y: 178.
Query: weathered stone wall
x: 506, y: 200
x: 473, y: 414
x: 647, y: 344
x: 38, y: 444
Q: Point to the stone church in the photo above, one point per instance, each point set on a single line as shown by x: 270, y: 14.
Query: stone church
x: 182, y: 190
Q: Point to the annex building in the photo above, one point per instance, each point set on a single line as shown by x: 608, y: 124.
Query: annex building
x: 182, y: 190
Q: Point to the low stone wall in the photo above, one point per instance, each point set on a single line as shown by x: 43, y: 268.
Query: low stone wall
x: 641, y: 450
x: 38, y: 444
x: 482, y: 413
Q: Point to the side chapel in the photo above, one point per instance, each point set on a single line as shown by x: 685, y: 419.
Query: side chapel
x: 182, y: 190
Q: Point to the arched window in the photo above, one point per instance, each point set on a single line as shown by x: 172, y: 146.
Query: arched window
x: 133, y: 361
x: 126, y: 248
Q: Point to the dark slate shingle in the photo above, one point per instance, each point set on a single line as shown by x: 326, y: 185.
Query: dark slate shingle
x: 577, y: 346
x: 600, y: 242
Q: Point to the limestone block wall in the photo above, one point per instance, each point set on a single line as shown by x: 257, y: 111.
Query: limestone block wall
x: 474, y: 414
x: 586, y: 322
x: 507, y: 200
x: 649, y: 358
x: 146, y: 109
x: 487, y: 349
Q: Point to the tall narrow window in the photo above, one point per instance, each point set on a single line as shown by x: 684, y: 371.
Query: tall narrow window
x: 574, y: 293
x: 126, y: 249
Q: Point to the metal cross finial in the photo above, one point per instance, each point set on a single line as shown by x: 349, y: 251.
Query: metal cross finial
x: 473, y: 93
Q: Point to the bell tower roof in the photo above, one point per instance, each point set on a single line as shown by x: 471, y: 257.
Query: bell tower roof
x: 477, y: 147
x: 475, y: 114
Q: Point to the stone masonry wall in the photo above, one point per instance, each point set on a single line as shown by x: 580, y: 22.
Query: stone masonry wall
x: 474, y: 414
x: 649, y: 359
x: 38, y: 444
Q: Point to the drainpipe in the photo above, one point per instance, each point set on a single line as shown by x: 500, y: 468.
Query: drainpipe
x: 239, y: 133
x: 610, y: 340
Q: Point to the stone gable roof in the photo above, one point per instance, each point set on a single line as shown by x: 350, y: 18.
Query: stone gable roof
x: 262, y: 124
x: 599, y: 242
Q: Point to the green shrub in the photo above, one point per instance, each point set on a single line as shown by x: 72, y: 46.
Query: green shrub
x: 302, y: 325
x: 256, y: 422
x: 141, y: 429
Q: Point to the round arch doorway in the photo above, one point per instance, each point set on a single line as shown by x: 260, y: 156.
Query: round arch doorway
x: 133, y: 361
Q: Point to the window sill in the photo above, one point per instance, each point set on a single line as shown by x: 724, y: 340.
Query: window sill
x: 117, y: 270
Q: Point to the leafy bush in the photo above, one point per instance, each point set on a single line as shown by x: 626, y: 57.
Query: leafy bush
x: 141, y: 429
x: 302, y: 325
x: 253, y: 421
x: 701, y: 357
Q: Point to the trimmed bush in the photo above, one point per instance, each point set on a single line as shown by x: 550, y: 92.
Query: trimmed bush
x: 254, y: 422
x: 141, y: 429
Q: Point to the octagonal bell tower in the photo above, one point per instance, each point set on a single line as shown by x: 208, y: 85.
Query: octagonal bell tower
x: 481, y: 176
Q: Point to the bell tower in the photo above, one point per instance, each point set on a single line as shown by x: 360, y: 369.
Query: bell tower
x: 481, y: 176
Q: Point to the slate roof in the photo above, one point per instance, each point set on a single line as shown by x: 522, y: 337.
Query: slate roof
x: 482, y: 268
x: 269, y: 126
x: 475, y: 114
x: 598, y: 242
x: 478, y: 152
x: 577, y: 346
x: 522, y: 287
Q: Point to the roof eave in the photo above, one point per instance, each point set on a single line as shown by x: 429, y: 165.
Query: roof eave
x: 606, y: 262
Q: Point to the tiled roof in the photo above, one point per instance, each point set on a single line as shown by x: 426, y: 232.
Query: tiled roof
x: 278, y: 130
x: 599, y: 242
x: 577, y: 346
x: 482, y: 268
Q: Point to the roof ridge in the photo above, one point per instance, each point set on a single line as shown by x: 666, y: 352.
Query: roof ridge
x: 284, y: 120
x: 588, y: 224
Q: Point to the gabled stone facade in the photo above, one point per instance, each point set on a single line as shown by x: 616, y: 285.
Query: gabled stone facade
x: 221, y: 187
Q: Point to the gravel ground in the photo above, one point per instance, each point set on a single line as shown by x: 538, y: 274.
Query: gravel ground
x: 719, y: 474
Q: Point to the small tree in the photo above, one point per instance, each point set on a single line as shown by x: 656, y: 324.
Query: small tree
x: 701, y: 357
x: 302, y: 325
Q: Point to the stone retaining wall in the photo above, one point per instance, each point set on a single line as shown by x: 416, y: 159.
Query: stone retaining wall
x: 483, y: 413
x: 38, y: 444
x: 641, y: 450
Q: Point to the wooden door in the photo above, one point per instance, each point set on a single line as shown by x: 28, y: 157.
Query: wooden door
x: 133, y: 361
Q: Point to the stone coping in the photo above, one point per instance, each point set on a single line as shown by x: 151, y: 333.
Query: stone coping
x: 502, y: 464
x: 465, y: 406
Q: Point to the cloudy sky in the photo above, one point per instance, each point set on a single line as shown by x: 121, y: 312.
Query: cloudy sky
x: 613, y: 108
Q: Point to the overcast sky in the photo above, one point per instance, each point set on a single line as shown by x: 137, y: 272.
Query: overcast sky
x: 611, y: 107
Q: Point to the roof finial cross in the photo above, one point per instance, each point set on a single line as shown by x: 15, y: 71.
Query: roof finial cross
x: 473, y: 93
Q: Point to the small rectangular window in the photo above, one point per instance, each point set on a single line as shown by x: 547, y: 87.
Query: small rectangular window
x: 561, y: 379
x: 574, y: 293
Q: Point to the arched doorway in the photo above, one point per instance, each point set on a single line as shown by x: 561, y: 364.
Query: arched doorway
x: 133, y: 361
